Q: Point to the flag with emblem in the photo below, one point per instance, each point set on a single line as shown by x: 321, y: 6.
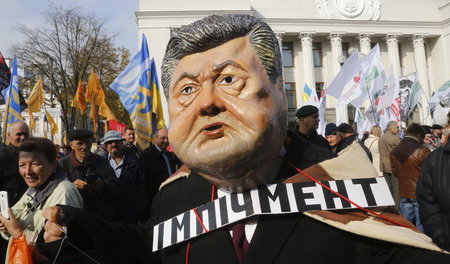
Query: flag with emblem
x: 11, y: 95
x: 138, y: 90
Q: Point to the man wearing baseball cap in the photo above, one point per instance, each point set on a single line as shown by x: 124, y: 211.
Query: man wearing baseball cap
x: 130, y: 175
x: 307, y: 123
x: 91, y: 175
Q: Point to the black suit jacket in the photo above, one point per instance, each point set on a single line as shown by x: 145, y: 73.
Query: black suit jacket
x: 155, y: 169
x: 287, y: 238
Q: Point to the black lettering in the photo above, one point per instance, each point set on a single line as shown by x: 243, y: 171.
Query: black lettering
x: 184, y: 226
x: 211, y: 216
x: 160, y: 235
x: 329, y: 196
x: 300, y: 196
x: 223, y: 211
x: 280, y: 193
x: 365, y: 184
x: 247, y: 206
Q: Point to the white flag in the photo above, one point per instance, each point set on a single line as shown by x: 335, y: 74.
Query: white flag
x: 359, y: 119
x: 348, y: 85
x: 442, y: 92
x: 322, y: 108
x: 373, y: 71
x: 416, y: 93
x: 389, y: 92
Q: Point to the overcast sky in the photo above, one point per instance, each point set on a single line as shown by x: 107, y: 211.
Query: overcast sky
x: 118, y: 15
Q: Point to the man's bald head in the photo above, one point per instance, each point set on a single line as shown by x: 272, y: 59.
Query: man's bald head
x: 17, y: 133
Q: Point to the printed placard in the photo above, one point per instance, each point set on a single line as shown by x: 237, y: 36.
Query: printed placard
x: 271, y: 199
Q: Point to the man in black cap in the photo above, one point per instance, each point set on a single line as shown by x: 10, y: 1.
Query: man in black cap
x: 307, y: 123
x: 91, y: 175
x: 346, y: 136
x: 330, y: 134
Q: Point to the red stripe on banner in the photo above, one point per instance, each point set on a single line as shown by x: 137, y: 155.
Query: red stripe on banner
x: 343, y: 197
x: 200, y: 221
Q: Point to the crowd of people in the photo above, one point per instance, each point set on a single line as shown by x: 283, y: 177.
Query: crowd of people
x: 222, y: 76
x: 117, y: 183
x: 417, y: 180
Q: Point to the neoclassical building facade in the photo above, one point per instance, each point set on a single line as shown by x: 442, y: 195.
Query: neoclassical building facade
x: 413, y: 37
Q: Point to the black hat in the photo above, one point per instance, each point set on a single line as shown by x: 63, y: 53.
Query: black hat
x: 330, y: 129
x: 436, y: 127
x: 306, y: 110
x: 345, y: 128
x: 81, y: 133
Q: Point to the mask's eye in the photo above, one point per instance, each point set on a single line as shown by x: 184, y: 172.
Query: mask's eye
x: 228, y: 80
x: 187, y: 90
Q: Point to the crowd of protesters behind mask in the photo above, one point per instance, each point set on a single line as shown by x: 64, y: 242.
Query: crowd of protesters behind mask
x: 416, y: 166
x: 37, y: 173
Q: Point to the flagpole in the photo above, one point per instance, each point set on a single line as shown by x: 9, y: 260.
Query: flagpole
x: 6, y: 120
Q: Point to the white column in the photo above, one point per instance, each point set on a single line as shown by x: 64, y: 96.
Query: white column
x: 308, y: 64
x: 336, y: 51
x: 394, y: 56
x: 422, y: 73
x: 280, y: 36
x: 364, y: 42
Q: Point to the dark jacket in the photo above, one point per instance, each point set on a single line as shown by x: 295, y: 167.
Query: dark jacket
x: 155, y: 169
x: 344, y: 143
x: 433, y: 195
x: 102, y: 201
x: 302, y: 154
x: 10, y: 178
x: 284, y: 238
x: 132, y: 198
x: 315, y: 139
x: 406, y: 161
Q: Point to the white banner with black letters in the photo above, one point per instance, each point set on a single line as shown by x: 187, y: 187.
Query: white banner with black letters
x: 271, y: 199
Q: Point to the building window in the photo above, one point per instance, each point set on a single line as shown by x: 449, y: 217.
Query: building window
x: 290, y: 96
x: 345, y: 47
x: 317, y: 54
x: 288, y: 54
x: 372, y: 45
x: 319, y: 88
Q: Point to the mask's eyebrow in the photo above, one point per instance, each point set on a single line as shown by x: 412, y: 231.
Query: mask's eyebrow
x: 224, y: 64
x: 186, y: 75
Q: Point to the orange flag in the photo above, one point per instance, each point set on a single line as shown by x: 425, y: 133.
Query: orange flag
x: 94, y: 91
x: 104, y: 111
x: 78, y: 100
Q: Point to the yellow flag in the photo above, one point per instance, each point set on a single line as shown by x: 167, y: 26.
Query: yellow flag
x: 104, y: 111
x: 94, y: 91
x: 32, y: 123
x: 53, y: 126
x: 78, y: 100
x: 36, y: 98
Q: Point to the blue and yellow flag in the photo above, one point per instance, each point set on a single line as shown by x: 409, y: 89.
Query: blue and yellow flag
x: 138, y: 90
x: 13, y: 91
x: 306, y: 93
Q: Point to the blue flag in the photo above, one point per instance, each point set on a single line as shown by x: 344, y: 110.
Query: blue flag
x: 138, y: 90
x: 13, y: 91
